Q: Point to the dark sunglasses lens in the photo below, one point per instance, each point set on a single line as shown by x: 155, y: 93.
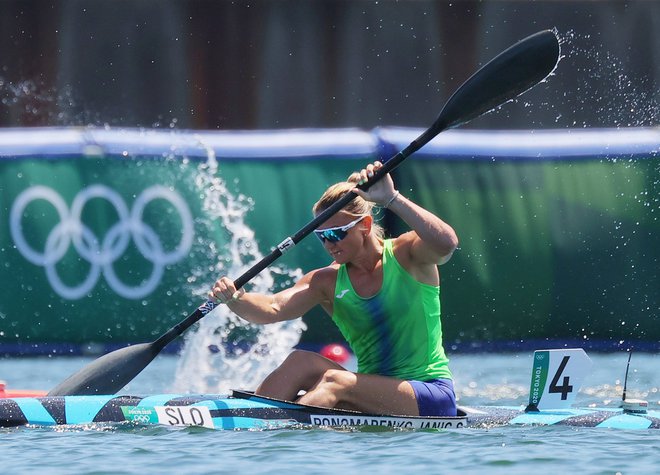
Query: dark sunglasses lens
x: 332, y: 235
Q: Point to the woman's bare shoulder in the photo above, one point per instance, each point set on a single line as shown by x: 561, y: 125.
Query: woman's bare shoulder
x: 322, y: 282
x: 403, y: 248
x: 324, y: 275
x: 402, y: 245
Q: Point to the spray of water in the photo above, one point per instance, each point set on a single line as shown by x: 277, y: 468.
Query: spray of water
x: 605, y: 87
x: 225, y: 352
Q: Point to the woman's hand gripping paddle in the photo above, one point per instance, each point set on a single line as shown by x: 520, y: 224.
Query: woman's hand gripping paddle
x: 506, y: 76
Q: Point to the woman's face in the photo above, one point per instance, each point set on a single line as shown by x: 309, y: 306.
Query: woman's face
x: 343, y: 234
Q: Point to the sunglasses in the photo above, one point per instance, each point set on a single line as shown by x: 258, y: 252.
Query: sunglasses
x: 338, y: 233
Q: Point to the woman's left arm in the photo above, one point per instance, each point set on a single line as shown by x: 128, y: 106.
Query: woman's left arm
x: 432, y: 241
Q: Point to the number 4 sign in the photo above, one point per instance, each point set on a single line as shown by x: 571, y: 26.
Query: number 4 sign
x: 556, y: 378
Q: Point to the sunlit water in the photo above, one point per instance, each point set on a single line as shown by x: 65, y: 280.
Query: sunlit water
x: 488, y: 379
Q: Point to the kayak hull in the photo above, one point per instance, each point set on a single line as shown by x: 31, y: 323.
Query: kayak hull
x: 244, y: 410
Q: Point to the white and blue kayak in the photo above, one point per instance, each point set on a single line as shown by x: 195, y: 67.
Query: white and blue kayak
x: 243, y: 410
x: 554, y: 383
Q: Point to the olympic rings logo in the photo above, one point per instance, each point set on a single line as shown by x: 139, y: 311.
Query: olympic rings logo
x: 101, y: 254
x: 141, y: 419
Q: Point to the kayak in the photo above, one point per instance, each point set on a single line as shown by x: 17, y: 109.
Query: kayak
x: 555, y: 379
x: 244, y: 410
x: 241, y: 410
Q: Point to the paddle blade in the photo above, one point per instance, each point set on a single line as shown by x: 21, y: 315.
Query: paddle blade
x: 109, y: 373
x: 502, y: 79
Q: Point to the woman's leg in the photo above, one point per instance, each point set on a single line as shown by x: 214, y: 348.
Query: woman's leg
x: 328, y: 384
x: 362, y: 392
x: 300, y: 371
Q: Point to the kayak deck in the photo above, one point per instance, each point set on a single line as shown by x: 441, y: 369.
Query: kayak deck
x: 244, y: 410
x: 240, y: 411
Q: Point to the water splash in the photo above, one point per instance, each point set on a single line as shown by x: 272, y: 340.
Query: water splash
x: 225, y: 352
x: 605, y: 90
x: 33, y: 102
x: 591, y: 88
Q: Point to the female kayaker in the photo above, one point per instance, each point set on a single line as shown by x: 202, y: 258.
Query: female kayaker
x: 383, y: 294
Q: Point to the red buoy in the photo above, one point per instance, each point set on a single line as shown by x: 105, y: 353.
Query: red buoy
x: 335, y: 352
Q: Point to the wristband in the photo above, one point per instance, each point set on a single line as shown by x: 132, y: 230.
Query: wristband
x: 396, y: 194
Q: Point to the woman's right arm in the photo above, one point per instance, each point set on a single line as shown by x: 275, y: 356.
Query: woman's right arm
x: 259, y: 308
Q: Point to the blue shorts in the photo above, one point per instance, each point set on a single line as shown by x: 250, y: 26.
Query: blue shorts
x: 435, y: 397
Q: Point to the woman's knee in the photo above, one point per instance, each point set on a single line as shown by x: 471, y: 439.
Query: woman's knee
x: 338, y: 379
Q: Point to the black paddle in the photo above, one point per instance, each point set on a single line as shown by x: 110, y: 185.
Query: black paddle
x: 505, y: 77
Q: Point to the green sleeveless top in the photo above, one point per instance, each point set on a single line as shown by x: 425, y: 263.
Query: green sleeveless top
x: 397, y: 332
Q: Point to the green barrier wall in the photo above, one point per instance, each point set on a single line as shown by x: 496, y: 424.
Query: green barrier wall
x: 559, y: 231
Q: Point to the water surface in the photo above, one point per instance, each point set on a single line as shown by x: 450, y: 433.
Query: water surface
x: 500, y: 379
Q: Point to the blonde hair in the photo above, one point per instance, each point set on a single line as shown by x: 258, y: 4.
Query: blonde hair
x: 357, y: 207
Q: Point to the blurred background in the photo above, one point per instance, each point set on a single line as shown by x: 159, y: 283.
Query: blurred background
x: 555, y: 197
x: 325, y: 63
